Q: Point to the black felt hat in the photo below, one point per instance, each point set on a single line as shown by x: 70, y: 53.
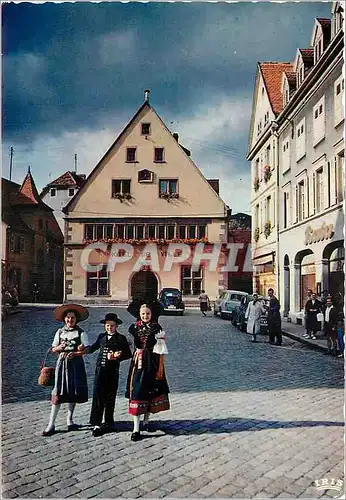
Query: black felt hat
x: 154, y: 305
x: 112, y: 317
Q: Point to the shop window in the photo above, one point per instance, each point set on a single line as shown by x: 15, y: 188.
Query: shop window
x: 97, y: 282
x: 191, y: 281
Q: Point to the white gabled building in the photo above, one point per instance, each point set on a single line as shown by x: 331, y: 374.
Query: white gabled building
x: 307, y: 134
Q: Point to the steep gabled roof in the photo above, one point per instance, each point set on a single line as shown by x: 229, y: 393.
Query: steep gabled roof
x: 27, y: 194
x: 308, y: 57
x: 272, y: 75
x: 115, y: 144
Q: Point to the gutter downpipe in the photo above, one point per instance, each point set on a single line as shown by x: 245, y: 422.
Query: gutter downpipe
x: 275, y: 133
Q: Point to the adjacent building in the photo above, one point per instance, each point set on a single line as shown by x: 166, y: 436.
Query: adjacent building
x: 58, y: 193
x: 145, y: 190
x: 298, y: 212
x: 32, y: 249
x: 239, y: 238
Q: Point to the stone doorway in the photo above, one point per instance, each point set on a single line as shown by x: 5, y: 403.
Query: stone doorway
x: 144, y: 285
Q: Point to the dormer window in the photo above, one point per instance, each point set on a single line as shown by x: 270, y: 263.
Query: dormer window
x: 53, y: 192
x: 300, y: 75
x: 318, y: 50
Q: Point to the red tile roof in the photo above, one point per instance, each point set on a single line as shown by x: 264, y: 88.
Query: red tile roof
x: 27, y: 194
x: 272, y: 75
x: 292, y: 79
x: 68, y: 179
x: 308, y: 56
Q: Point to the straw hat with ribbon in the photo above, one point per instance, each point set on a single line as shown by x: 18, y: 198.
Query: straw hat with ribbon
x: 81, y: 312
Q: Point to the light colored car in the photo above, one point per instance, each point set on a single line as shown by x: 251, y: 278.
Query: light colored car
x: 227, y: 303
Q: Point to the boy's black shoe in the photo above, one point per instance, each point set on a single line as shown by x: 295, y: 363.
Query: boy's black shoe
x: 136, y: 436
x: 97, y: 431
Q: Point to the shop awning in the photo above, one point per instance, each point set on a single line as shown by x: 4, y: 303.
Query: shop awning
x: 263, y: 259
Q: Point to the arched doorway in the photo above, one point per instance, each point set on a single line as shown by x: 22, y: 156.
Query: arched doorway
x: 144, y: 284
x: 306, y: 274
x: 286, y: 285
x: 335, y: 254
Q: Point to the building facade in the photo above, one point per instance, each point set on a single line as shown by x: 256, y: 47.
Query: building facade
x: 308, y: 136
x: 32, y: 250
x: 58, y: 193
x: 145, y: 193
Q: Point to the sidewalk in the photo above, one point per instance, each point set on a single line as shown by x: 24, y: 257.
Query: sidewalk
x: 295, y: 332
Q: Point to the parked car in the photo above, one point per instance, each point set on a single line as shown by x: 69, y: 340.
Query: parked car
x: 171, y: 299
x: 240, y: 319
x: 227, y: 303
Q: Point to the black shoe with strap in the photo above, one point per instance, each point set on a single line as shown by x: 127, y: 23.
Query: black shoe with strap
x: 136, y: 436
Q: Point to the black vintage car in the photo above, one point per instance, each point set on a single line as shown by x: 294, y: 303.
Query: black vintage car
x: 171, y: 299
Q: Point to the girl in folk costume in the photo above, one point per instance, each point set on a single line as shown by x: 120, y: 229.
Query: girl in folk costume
x: 147, y: 388
x: 70, y: 384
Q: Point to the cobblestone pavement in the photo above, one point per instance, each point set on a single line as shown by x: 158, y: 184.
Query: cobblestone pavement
x: 246, y: 420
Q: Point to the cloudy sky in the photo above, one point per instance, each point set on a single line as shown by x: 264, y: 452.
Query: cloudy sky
x: 74, y: 75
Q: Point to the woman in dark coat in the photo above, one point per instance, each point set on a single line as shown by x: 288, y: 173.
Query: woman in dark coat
x: 113, y: 349
x: 147, y: 387
x: 70, y: 384
x: 312, y: 308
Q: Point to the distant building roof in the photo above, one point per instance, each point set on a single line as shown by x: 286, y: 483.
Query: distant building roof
x: 67, y: 180
x: 272, y: 75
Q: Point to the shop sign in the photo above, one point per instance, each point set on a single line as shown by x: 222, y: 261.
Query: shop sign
x: 325, y: 232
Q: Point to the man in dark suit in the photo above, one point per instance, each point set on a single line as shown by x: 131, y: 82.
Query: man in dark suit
x: 113, y: 348
x: 330, y: 326
x: 312, y: 308
x: 274, y: 319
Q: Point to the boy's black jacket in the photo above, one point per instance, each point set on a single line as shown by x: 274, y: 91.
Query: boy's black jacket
x: 117, y: 342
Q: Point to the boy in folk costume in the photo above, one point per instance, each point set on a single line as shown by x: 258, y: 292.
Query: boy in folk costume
x: 113, y: 349
x: 147, y: 388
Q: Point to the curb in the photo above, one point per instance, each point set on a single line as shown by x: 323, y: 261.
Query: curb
x: 312, y: 345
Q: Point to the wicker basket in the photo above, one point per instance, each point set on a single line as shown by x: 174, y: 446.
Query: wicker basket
x: 47, y: 374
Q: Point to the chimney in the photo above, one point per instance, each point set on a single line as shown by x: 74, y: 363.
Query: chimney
x: 146, y: 95
x: 176, y: 137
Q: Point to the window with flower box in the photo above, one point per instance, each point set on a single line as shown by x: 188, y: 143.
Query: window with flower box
x: 182, y: 232
x: 161, y: 232
x: 139, y: 232
x: 130, y: 231
x: 191, y: 281
x: 121, y: 187
x: 168, y: 187
x: 97, y: 282
x: 170, y: 232
x: 151, y: 231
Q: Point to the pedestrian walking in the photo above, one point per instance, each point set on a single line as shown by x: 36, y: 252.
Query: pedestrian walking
x: 253, y: 315
x: 308, y: 297
x: 147, y: 387
x: 330, y: 326
x: 313, y: 307
x: 274, y: 319
x: 341, y: 333
x: 113, y: 348
x: 35, y: 292
x: 204, y: 302
x: 70, y: 385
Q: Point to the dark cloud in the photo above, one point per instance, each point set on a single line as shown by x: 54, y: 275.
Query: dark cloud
x: 70, y: 66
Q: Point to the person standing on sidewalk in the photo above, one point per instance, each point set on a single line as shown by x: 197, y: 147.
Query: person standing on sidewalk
x: 330, y: 326
x: 274, y: 319
x: 341, y: 333
x: 113, y: 349
x: 313, y: 307
x: 70, y: 385
x: 253, y: 315
x: 204, y: 302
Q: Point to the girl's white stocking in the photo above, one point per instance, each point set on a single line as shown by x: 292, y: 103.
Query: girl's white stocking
x: 53, y: 414
x: 136, y: 420
x: 70, y: 410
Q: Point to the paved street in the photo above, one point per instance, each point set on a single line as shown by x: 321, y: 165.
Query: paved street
x: 247, y: 420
